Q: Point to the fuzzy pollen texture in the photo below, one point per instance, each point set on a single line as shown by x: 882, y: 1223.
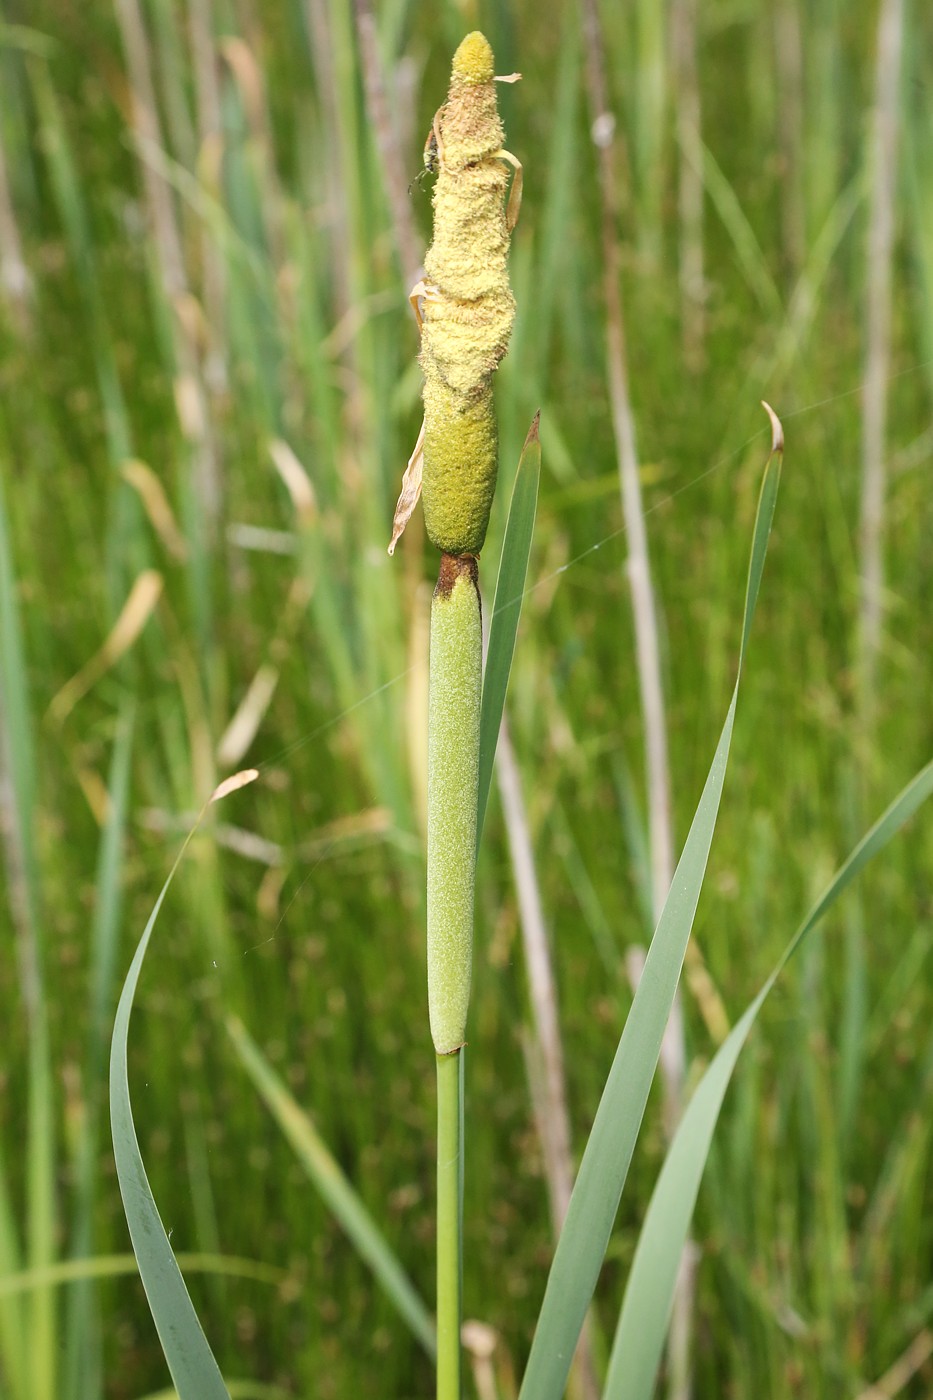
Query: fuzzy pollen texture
x: 473, y: 61
x: 469, y: 311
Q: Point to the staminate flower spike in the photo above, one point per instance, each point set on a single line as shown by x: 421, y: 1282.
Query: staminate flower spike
x: 466, y: 308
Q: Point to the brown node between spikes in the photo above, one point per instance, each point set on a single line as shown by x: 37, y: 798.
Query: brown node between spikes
x: 454, y: 566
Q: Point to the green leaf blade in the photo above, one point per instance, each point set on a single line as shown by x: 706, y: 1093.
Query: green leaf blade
x: 639, y: 1339
x: 190, y: 1360
x: 603, y: 1170
x: 337, y: 1192
x: 506, y: 611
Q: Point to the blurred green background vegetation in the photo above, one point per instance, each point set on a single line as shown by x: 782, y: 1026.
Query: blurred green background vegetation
x: 208, y: 391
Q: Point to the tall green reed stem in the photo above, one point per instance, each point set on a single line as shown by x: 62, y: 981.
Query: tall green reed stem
x: 449, y: 1223
x: 467, y: 317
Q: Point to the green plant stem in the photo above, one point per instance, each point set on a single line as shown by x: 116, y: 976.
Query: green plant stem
x: 449, y: 1223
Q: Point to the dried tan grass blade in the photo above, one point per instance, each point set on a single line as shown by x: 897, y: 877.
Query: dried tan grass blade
x: 151, y: 492
x: 234, y: 783
x: 411, y: 490
x: 136, y: 612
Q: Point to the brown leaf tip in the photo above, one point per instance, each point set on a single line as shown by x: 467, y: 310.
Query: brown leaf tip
x: 532, y: 434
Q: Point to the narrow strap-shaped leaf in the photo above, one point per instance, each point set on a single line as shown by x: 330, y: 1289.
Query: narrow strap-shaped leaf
x: 503, y: 625
x: 639, y: 1339
x: 325, y: 1172
x: 82, y: 1326
x: 601, y: 1178
x: 190, y: 1360
x: 239, y: 1390
x: 101, y: 1266
x: 39, y: 1356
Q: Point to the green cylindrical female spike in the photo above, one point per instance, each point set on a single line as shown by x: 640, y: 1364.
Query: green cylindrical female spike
x: 455, y: 686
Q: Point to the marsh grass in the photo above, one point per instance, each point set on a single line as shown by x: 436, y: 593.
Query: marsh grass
x: 813, y: 1220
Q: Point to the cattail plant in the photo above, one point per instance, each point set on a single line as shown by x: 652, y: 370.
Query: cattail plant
x: 465, y: 309
x: 466, y: 320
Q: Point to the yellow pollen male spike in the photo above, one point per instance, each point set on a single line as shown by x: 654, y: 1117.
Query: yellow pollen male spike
x: 473, y: 61
x: 467, y: 307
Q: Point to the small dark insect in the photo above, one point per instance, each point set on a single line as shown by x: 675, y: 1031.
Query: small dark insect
x: 431, y: 157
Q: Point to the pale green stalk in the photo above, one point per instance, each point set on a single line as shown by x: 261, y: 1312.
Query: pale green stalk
x: 878, y: 325
x: 449, y: 1224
